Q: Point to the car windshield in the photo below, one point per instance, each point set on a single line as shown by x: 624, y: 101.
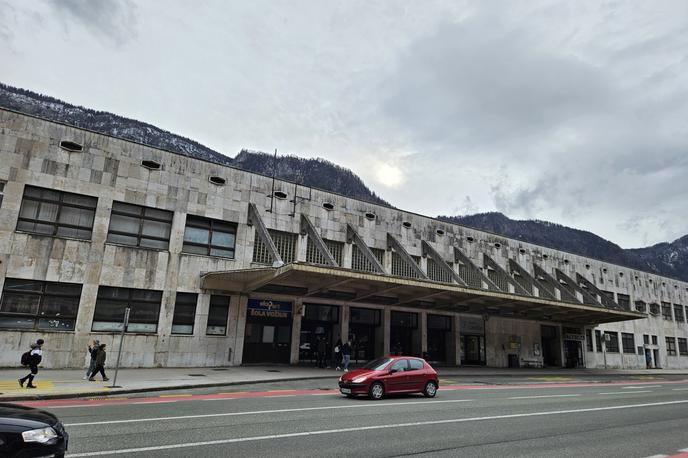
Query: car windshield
x: 377, y: 364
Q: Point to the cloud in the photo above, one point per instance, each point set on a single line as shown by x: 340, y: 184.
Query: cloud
x: 112, y: 20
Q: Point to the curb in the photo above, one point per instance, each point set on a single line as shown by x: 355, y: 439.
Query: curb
x: 115, y: 391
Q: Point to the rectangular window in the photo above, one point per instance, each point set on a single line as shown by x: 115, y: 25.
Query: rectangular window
x: 588, y: 340
x: 628, y: 342
x: 646, y: 339
x: 598, y: 341
x: 217, y: 316
x: 209, y: 237
x: 678, y: 313
x: 112, y: 302
x: 666, y: 311
x: 317, y: 312
x: 34, y: 304
x: 613, y: 342
x: 56, y: 213
x: 624, y: 300
x: 365, y: 316
x: 439, y: 322
x: 2, y: 191
x: 671, y: 346
x: 184, y: 313
x: 683, y: 346
x: 654, y: 340
x: 404, y: 319
x: 139, y: 226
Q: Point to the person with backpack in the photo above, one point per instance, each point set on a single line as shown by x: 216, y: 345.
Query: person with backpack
x: 346, y: 355
x: 92, y: 352
x: 337, y: 356
x: 100, y: 364
x: 32, y: 359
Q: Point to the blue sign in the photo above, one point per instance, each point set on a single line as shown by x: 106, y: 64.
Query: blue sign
x: 269, y: 309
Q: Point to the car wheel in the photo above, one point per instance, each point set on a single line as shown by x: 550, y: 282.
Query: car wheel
x: 377, y: 390
x: 430, y: 390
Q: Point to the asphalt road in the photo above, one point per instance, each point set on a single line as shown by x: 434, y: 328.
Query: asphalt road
x: 631, y: 419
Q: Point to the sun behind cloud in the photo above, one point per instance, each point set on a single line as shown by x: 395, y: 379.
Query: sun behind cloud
x: 389, y: 175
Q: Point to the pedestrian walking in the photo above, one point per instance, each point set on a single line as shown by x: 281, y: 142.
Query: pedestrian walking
x: 337, y: 356
x: 346, y: 355
x: 32, y: 359
x: 100, y: 364
x: 92, y: 353
x: 322, y: 352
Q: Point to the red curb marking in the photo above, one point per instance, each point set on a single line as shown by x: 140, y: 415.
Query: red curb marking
x: 310, y: 392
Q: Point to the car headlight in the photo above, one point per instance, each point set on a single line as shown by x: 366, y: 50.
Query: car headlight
x: 360, y: 379
x: 42, y: 435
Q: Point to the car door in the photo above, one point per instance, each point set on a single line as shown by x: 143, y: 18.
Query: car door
x: 416, y: 375
x: 397, y: 380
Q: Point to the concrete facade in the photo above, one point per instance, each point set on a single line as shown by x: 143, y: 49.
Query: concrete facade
x: 111, y: 170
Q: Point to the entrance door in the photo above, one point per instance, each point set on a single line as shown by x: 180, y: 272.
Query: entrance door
x: 362, y: 341
x: 655, y: 354
x: 550, y: 345
x: 472, y: 350
x: 267, y: 343
x: 573, y: 353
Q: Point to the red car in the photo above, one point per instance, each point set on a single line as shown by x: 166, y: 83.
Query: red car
x: 392, y: 374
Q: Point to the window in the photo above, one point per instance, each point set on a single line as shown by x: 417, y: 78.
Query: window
x: 365, y: 316
x: 144, y: 227
x: 654, y: 340
x: 646, y: 339
x: 209, y: 237
x: 112, y: 302
x: 613, y: 342
x: 666, y: 311
x: 671, y: 346
x: 184, y: 313
x: 57, y: 213
x: 588, y: 340
x: 654, y: 309
x: 624, y: 300
x: 399, y: 366
x: 628, y: 342
x: 415, y: 364
x: 217, y: 316
x: 318, y: 312
x: 598, y: 340
x: 640, y: 306
x: 678, y: 313
x: 2, y: 191
x: 683, y: 346
x: 33, y: 304
x: 439, y: 322
x: 404, y: 319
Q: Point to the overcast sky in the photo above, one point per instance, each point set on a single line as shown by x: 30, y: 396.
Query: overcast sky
x: 572, y: 112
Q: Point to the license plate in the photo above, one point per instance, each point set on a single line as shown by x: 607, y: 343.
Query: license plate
x: 346, y: 390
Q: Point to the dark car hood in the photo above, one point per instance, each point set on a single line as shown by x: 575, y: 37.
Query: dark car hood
x: 358, y: 373
x: 21, y: 417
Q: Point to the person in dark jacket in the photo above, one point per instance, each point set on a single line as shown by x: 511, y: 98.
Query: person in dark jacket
x: 35, y: 358
x: 337, y: 355
x: 322, y: 352
x: 100, y: 364
x: 93, y: 352
x: 346, y: 355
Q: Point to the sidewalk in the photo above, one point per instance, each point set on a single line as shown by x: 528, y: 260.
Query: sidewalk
x: 68, y: 383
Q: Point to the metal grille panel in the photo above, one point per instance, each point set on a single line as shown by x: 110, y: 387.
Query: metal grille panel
x: 360, y: 262
x: 336, y: 248
x: 401, y: 268
x: 437, y: 273
x: 285, y: 243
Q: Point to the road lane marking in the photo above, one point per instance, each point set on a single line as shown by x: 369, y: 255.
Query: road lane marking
x: 545, y: 396
x: 368, y: 428
x: 641, y: 387
x: 657, y: 456
x: 258, y: 412
x: 680, y: 389
x: 626, y: 392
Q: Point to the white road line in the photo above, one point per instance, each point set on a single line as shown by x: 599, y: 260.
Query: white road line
x: 258, y: 412
x: 683, y: 450
x: 657, y: 456
x: 641, y: 387
x: 627, y: 392
x: 368, y: 428
x: 546, y: 396
x: 680, y: 389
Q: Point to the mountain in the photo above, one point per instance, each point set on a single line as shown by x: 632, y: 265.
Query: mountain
x: 668, y: 259
x: 317, y: 173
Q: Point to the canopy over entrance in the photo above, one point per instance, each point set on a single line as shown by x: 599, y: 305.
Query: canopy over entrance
x: 314, y: 281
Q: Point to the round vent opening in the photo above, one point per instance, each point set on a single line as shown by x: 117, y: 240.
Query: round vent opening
x: 328, y: 206
x: 71, y: 146
x: 620, y: 274
x: 497, y: 245
x: 370, y: 216
x: 151, y: 165
x: 439, y: 232
x: 587, y: 266
x: 280, y: 194
x: 604, y: 270
x: 544, y: 256
x: 522, y: 250
x: 406, y: 224
x: 217, y: 180
x: 470, y: 239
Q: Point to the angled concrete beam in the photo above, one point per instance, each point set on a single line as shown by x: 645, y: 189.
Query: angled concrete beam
x: 352, y: 236
x: 590, y: 286
x: 376, y: 292
x: 489, y: 262
x: 543, y: 280
x: 326, y: 287
x: 308, y: 229
x: 523, y: 273
x: 473, y: 270
x: 418, y: 297
x: 430, y: 252
x: 572, y: 286
x: 408, y: 260
x: 256, y: 221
